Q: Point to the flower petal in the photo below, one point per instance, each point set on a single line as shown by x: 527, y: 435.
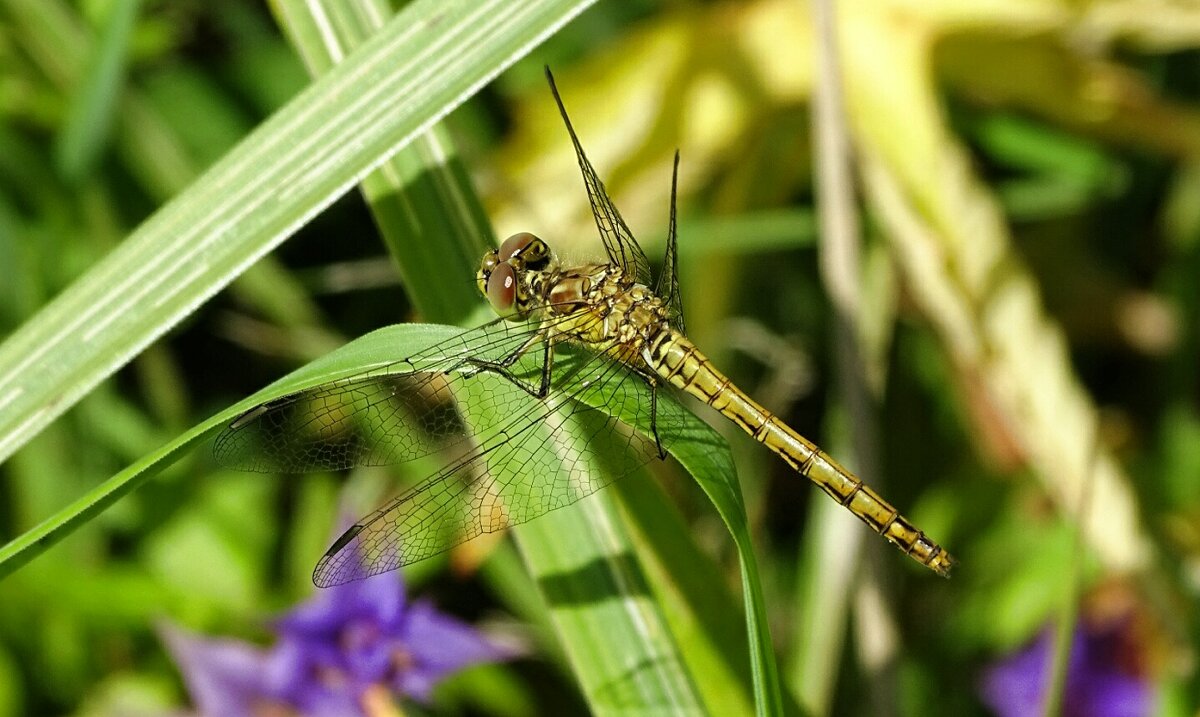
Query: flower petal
x: 1016, y: 686
x: 378, y: 599
x: 224, y: 677
x: 437, y: 645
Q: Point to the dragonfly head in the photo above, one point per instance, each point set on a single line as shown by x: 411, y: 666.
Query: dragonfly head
x: 504, y: 275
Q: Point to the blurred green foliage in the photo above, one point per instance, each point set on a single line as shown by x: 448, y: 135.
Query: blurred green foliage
x: 1031, y: 193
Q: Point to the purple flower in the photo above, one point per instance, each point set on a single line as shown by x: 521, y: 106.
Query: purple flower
x: 1102, y: 677
x: 364, y: 633
x: 224, y: 677
x: 335, y: 654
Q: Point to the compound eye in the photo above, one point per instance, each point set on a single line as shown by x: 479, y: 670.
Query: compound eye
x: 515, y: 244
x: 536, y: 255
x: 490, y: 260
x: 502, y: 289
x: 486, y: 267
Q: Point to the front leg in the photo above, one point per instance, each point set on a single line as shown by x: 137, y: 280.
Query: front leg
x: 503, y: 366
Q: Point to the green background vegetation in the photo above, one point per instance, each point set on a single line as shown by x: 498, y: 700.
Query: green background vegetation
x: 1029, y: 187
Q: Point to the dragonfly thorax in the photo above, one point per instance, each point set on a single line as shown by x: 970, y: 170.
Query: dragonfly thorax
x: 601, y: 306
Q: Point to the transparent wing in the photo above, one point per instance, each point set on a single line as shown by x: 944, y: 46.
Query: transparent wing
x: 623, y: 250
x: 667, y: 287
x: 529, y: 456
x: 388, y: 415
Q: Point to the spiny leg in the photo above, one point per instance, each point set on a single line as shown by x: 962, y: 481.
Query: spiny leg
x: 502, y: 366
x: 662, y: 451
x: 652, y: 381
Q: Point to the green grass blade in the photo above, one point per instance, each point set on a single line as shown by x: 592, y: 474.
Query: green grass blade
x: 706, y: 456
x: 761, y: 231
x: 435, y: 231
x: 90, y: 117
x: 424, y: 62
x: 615, y: 635
x: 691, y: 588
x: 433, y: 225
x: 57, y: 43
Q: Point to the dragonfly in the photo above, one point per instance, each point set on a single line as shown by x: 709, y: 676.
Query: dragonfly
x: 534, y: 410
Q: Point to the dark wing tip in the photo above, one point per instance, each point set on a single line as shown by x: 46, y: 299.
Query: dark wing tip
x: 562, y: 110
x: 336, y: 567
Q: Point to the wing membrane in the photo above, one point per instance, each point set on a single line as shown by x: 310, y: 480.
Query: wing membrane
x: 389, y: 415
x: 546, y: 455
x: 667, y: 287
x: 622, y: 249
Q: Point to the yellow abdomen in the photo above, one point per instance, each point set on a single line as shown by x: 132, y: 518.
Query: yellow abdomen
x: 677, y: 361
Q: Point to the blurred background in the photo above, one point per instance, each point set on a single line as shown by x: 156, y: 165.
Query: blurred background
x: 1029, y: 183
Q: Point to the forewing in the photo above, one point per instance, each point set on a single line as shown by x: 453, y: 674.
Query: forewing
x: 388, y: 415
x: 546, y: 455
x: 623, y: 250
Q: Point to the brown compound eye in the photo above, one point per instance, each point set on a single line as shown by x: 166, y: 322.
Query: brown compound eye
x: 502, y: 289
x: 536, y: 255
x: 515, y: 244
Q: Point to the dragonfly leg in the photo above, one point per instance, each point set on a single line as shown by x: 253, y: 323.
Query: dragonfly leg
x: 652, y: 381
x: 662, y: 451
x: 502, y: 366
